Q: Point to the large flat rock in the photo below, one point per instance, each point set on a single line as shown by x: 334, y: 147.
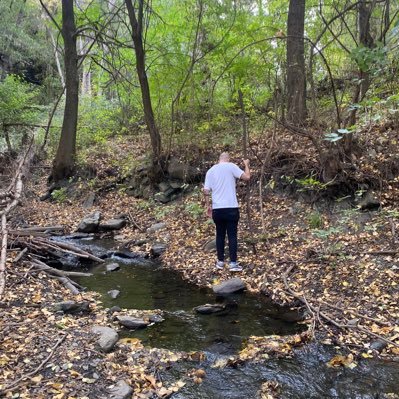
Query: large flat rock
x: 132, y: 323
x: 229, y: 287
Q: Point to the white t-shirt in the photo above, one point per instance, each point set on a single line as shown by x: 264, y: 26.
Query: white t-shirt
x: 221, y: 181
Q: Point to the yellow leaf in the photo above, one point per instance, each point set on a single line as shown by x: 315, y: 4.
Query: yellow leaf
x: 367, y: 355
x: 38, y: 378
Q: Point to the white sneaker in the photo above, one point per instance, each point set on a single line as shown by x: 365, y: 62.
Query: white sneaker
x: 235, y: 267
x: 219, y: 265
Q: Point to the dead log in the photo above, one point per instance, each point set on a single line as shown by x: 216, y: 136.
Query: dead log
x: 61, y: 276
x: 15, y: 189
x: 42, y: 245
x: 62, y: 273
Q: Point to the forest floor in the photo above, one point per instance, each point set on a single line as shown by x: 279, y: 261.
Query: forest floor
x: 337, y: 262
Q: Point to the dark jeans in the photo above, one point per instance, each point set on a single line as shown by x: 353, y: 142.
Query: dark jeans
x: 226, y: 220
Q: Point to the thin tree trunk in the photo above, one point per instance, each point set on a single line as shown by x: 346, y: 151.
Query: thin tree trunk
x: 64, y: 161
x: 245, y: 153
x: 296, y: 78
x: 137, y: 32
x: 365, y: 40
x: 57, y: 58
x: 8, y: 141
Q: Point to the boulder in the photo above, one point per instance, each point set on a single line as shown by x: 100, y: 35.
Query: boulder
x: 177, y: 185
x: 71, y: 307
x: 210, y: 308
x: 369, y: 202
x: 163, y: 186
x: 89, y: 201
x: 229, y: 287
x: 156, y: 227
x: 107, y: 337
x: 178, y: 170
x: 113, y: 293
x: 111, y: 267
x: 210, y: 245
x: 132, y: 323
x: 89, y: 223
x: 114, y: 309
x: 113, y: 224
x: 121, y: 390
x: 158, y: 249
x: 163, y: 198
x: 378, y: 345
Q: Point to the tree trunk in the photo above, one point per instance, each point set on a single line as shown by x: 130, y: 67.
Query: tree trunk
x: 296, y: 78
x: 365, y: 40
x: 137, y: 30
x: 64, y: 161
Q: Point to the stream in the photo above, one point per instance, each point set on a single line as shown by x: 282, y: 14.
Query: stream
x: 145, y: 284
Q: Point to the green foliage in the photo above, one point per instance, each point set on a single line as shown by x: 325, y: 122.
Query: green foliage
x: 162, y: 210
x: 370, y: 59
x: 17, y: 101
x: 310, y: 183
x: 22, y: 33
x: 17, y: 107
x: 99, y: 119
x: 315, y: 220
x: 325, y: 234
x: 194, y: 209
x: 59, y: 195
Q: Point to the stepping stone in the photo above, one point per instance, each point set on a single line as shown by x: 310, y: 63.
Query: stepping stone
x: 114, y: 293
x: 111, y: 267
x: 132, y: 323
x: 158, y: 249
x: 107, y: 339
x: 209, y: 308
x: 229, y: 287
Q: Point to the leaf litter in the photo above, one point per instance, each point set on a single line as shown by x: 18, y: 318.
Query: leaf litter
x: 339, y: 274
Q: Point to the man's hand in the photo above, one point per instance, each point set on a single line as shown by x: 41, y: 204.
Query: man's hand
x: 247, y: 173
x: 209, y: 212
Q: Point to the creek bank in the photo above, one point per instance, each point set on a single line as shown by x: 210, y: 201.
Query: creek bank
x: 248, y: 364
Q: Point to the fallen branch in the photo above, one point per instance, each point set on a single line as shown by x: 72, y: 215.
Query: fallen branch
x: 41, y: 244
x: 313, y: 310
x: 20, y: 255
x: 11, y: 387
x: 61, y: 276
x: 15, y: 189
x: 131, y: 219
x: 355, y: 313
x: 62, y: 273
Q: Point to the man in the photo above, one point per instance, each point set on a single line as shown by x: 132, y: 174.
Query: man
x: 220, y: 181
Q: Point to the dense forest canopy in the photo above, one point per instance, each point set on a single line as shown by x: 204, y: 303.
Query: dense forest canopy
x: 176, y: 68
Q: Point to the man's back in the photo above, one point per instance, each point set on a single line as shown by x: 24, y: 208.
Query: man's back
x: 221, y: 181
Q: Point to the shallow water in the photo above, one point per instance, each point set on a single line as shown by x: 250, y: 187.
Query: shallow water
x: 146, y: 285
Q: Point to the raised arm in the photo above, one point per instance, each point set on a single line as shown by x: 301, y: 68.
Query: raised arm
x: 247, y: 173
